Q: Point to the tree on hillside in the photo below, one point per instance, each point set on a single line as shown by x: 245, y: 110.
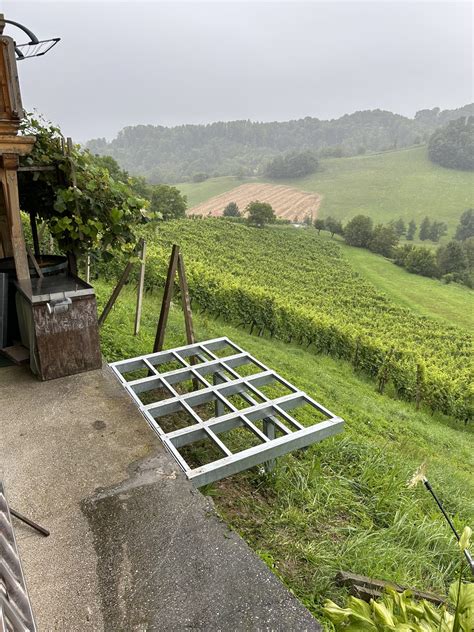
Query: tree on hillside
x: 358, y: 231
x: 465, y: 228
x: 399, y: 226
x: 452, y: 258
x: 468, y: 246
x: 231, y: 210
x: 411, y: 230
x: 334, y: 226
x: 400, y: 254
x: 383, y: 240
x: 259, y: 213
x: 437, y: 230
x: 319, y: 224
x: 291, y: 165
x: 167, y: 202
x: 425, y: 229
x: 421, y: 260
x: 200, y: 177
x: 453, y: 146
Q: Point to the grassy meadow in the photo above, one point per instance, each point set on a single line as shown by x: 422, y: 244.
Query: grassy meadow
x: 453, y: 303
x: 343, y: 503
x: 385, y: 186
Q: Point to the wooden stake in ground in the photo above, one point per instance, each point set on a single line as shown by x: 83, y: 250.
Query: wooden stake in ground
x: 188, y: 316
x: 118, y: 288
x: 167, y: 297
x: 176, y: 264
x: 141, y: 283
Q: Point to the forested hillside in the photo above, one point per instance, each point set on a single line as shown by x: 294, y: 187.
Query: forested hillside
x: 173, y: 154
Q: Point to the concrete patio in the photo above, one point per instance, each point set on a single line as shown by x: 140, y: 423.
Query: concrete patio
x: 133, y: 545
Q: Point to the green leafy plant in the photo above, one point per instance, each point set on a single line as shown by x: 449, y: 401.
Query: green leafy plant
x: 400, y: 612
x: 83, y: 206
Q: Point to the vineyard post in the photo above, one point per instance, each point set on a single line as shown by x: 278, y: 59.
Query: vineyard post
x: 118, y: 288
x: 141, y: 283
x: 167, y: 296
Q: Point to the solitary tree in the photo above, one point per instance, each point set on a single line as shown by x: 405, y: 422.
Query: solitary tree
x: 437, y: 230
x: 231, y: 210
x: 260, y: 213
x: 383, y: 240
x: 399, y: 227
x: 425, y: 229
x: 358, y: 231
x: 465, y: 227
x: 167, y: 202
x: 334, y: 226
x: 421, y: 260
x: 411, y: 230
x: 452, y: 258
x: 319, y: 224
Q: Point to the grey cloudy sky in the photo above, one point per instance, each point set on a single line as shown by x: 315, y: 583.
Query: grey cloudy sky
x: 123, y: 63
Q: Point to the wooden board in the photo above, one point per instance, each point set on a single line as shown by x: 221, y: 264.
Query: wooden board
x: 16, y: 353
x: 67, y: 343
x: 367, y: 588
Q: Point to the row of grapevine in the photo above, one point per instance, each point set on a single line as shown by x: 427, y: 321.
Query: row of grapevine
x: 297, y: 287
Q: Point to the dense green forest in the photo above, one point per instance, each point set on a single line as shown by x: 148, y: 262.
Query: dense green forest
x: 453, y: 146
x: 174, y: 154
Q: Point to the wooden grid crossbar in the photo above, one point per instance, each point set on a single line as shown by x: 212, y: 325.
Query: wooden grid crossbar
x: 216, y: 392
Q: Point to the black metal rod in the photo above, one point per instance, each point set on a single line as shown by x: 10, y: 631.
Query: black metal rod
x: 438, y: 502
x: 31, y: 35
x: 467, y: 555
x: 29, y: 522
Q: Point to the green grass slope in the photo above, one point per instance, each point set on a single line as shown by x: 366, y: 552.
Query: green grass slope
x: 390, y: 185
x: 453, y: 303
x: 344, y: 503
x: 385, y: 186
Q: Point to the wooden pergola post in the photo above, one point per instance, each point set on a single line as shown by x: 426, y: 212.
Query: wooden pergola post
x: 12, y: 242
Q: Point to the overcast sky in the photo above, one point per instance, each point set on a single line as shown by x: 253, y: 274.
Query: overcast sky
x: 123, y: 63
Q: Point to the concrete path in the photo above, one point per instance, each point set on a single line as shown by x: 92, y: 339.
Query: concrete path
x: 133, y: 545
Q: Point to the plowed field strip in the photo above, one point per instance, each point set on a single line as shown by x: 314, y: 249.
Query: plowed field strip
x: 287, y: 202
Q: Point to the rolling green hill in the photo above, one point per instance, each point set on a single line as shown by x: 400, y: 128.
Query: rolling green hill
x: 453, y: 303
x: 385, y: 186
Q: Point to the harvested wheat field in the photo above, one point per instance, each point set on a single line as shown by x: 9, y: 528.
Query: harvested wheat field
x: 287, y: 202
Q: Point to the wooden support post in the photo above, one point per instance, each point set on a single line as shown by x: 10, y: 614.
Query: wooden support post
x: 35, y: 263
x: 167, y: 296
x: 188, y: 316
x: 9, y: 180
x: 34, y: 234
x: 118, y: 288
x: 141, y: 283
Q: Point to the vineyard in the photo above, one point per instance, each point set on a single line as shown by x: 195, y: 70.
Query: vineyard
x: 295, y: 287
x: 287, y: 202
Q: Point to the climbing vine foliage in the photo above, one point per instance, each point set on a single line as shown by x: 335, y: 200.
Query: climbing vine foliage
x: 98, y: 212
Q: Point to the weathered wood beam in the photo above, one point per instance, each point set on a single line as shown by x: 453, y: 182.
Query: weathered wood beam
x: 367, y: 588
